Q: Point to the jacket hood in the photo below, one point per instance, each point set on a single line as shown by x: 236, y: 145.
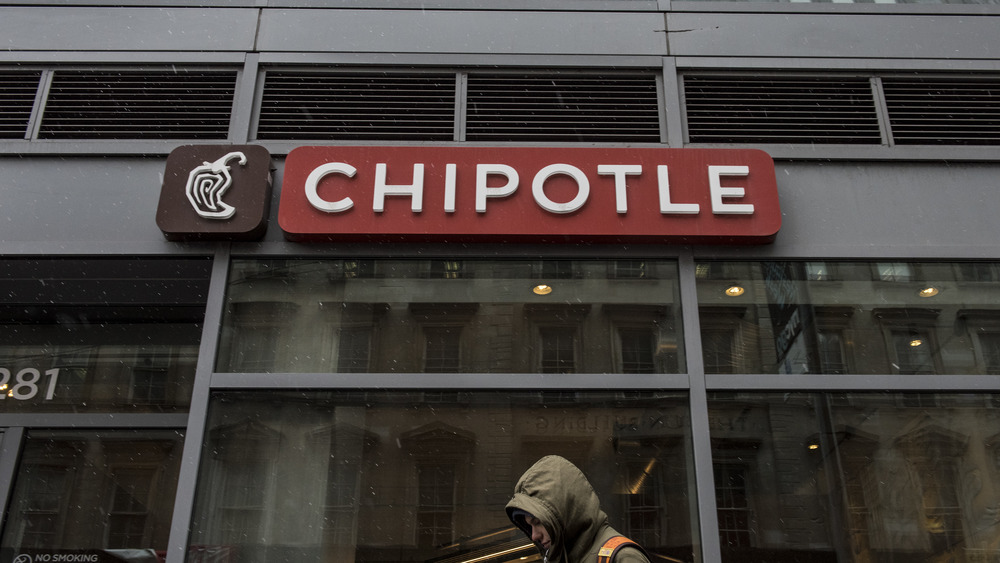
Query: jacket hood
x: 556, y: 492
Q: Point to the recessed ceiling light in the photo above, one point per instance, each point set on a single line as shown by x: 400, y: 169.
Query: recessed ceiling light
x: 542, y: 289
x: 916, y: 342
x: 734, y: 291
x: 929, y: 292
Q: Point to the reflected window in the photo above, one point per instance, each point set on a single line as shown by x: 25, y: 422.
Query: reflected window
x: 45, y: 490
x: 642, y: 503
x: 989, y: 342
x: 630, y: 269
x: 718, y: 350
x: 241, y: 508
x: 913, y: 352
x: 341, y: 502
x: 239, y: 491
x: 556, y: 270
x: 558, y: 349
x: 77, y: 493
x: 979, y: 272
x: 894, y: 272
x: 436, y: 505
x: 732, y: 503
x: 442, y: 350
x: 638, y: 348
x: 831, y: 351
x: 352, y: 269
x: 821, y: 271
x: 446, y: 269
x: 130, y: 499
x: 354, y: 349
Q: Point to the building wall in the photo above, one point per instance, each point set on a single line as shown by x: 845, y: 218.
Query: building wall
x: 877, y: 202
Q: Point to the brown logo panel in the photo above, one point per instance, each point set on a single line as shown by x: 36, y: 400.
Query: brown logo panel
x: 215, y: 192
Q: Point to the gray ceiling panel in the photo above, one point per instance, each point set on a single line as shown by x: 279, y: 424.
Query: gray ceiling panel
x: 427, y: 31
x: 832, y: 36
x: 126, y: 29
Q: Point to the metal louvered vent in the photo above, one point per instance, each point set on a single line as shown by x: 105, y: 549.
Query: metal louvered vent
x: 780, y: 109
x: 17, y: 96
x: 956, y: 111
x: 563, y: 107
x: 357, y: 106
x: 139, y: 105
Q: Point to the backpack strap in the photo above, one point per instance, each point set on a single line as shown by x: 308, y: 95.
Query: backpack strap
x: 607, y: 552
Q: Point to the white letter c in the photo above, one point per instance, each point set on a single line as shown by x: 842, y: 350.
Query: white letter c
x: 312, y: 185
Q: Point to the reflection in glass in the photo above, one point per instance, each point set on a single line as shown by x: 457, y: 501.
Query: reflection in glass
x: 87, y: 494
x: 101, y: 334
x: 411, y: 476
x: 856, y: 477
x: 451, y: 316
x: 850, y: 317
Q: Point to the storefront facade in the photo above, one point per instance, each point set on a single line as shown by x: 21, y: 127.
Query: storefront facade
x: 289, y: 281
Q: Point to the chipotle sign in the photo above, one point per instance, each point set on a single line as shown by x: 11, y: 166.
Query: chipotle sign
x: 215, y: 192
x: 529, y: 194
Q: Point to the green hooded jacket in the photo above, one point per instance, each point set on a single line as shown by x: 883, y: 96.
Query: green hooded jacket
x: 557, y: 493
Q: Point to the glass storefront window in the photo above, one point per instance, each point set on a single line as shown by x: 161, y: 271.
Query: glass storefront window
x: 424, y: 476
x: 856, y: 477
x: 100, y: 335
x: 452, y: 316
x: 93, y: 496
x: 902, y: 318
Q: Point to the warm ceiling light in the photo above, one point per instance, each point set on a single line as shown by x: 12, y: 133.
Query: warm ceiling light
x: 734, y: 291
x: 929, y: 292
x: 916, y: 342
x: 813, y: 446
x: 542, y: 289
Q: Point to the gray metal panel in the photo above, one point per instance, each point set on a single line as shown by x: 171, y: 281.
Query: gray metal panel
x: 200, y: 395
x: 701, y: 445
x: 89, y: 59
x: 849, y: 209
x: 428, y: 31
x: 887, y: 209
x: 10, y: 450
x: 461, y: 59
x: 127, y: 29
x: 94, y: 420
x: 831, y: 209
x: 521, y: 381
x: 492, y: 5
x: 832, y: 35
x: 106, y: 206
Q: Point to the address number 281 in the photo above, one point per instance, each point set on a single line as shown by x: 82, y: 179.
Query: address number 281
x: 27, y: 383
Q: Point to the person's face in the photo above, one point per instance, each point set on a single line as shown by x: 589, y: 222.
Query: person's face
x: 539, y: 534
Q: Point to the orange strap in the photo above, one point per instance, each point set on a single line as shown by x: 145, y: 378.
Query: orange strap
x: 611, y: 547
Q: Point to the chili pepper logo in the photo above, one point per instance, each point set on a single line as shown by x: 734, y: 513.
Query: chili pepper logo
x: 206, y: 185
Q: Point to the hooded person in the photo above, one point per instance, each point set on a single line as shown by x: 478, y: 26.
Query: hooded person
x: 557, y: 508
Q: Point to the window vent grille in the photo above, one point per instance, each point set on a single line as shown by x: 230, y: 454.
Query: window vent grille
x: 138, y: 105
x: 781, y: 109
x: 17, y: 96
x: 570, y: 107
x: 943, y: 111
x: 383, y: 106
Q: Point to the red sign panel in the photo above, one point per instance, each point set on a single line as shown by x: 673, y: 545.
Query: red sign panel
x: 529, y: 194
